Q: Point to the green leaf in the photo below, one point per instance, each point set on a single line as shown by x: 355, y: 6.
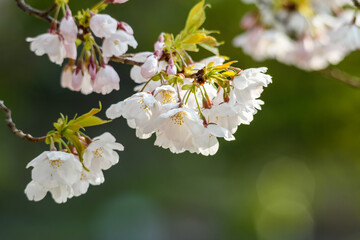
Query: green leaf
x: 189, y: 47
x: 186, y: 87
x: 86, y: 120
x: 211, y: 49
x: 196, y: 17
x: 195, y: 38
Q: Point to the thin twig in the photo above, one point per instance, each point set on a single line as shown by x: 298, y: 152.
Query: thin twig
x: 126, y: 59
x: 344, y: 77
x: 16, y: 131
x: 44, y: 15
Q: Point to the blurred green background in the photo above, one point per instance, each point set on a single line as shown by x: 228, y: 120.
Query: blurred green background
x: 293, y: 174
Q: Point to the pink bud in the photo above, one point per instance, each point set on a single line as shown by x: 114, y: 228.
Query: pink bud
x: 92, y: 68
x: 171, y: 68
x: 117, y: 1
x: 150, y: 67
x: 125, y: 27
x: 161, y: 38
x: 159, y: 46
x: 158, y: 54
x: 77, y: 77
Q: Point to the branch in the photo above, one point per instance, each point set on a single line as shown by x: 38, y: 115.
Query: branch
x: 125, y: 59
x: 16, y: 131
x: 44, y: 15
x: 344, y: 77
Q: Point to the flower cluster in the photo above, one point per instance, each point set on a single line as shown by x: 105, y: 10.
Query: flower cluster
x: 187, y: 104
x: 89, y: 72
x: 309, y: 34
x: 69, y: 171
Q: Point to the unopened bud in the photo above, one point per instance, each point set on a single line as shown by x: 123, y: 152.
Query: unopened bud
x: 171, y: 68
x: 125, y: 27
x: 150, y: 67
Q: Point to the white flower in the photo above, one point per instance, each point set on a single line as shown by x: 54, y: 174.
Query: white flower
x: 71, y: 50
x: 135, y: 72
x: 150, y: 67
x: 140, y: 110
x: 55, y: 172
x: 49, y: 44
x: 66, y: 77
x: 106, y: 80
x: 102, y: 25
x: 348, y: 35
x: 117, y: 44
x: 226, y: 115
x: 262, y: 44
x: 208, y: 143
x: 178, y: 130
x: 252, y: 76
x: 68, y: 29
x: 315, y: 54
x: 100, y: 155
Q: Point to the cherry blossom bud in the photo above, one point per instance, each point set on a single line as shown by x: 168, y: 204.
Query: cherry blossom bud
x: 77, y: 78
x: 106, y: 80
x: 102, y: 25
x: 69, y: 29
x: 159, y: 46
x: 161, y: 38
x: 117, y: 1
x: 171, y: 68
x: 125, y: 27
x: 150, y: 67
x: 92, y: 68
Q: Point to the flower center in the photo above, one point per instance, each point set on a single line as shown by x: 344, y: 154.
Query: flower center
x: 56, y: 163
x: 143, y: 106
x: 167, y: 97
x: 99, y: 152
x: 178, y: 119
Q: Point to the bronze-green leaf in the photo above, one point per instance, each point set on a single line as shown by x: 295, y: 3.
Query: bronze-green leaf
x: 196, y: 17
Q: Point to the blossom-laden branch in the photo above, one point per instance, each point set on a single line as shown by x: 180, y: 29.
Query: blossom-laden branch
x: 16, y: 131
x: 342, y: 76
x: 126, y: 59
x: 44, y: 15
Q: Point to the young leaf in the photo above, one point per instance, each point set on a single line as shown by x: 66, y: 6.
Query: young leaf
x: 196, y: 17
x: 86, y: 120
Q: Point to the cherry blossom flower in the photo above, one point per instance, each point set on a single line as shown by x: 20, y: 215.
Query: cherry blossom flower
x: 140, y: 110
x: 106, y: 80
x: 103, y: 25
x: 117, y: 44
x: 55, y: 172
x: 50, y: 44
x: 68, y: 29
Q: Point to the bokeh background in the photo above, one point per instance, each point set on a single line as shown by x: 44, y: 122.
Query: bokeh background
x: 293, y: 174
